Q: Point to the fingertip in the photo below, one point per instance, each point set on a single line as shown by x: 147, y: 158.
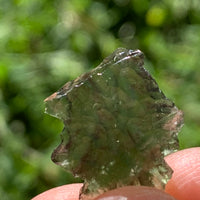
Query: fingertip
x: 65, y: 192
x: 185, y: 181
x: 136, y: 193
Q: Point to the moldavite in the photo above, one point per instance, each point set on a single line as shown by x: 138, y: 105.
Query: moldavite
x: 118, y: 126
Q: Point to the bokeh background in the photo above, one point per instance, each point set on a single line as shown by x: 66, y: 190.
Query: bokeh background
x: 45, y: 43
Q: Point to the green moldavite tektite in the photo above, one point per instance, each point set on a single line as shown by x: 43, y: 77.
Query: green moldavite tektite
x: 118, y: 126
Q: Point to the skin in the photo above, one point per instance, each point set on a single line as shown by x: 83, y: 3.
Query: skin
x: 184, y: 184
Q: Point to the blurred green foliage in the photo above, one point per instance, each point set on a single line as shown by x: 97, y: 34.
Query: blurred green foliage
x: 43, y: 44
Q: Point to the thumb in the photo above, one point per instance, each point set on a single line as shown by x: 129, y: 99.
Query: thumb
x: 64, y: 192
x: 135, y: 193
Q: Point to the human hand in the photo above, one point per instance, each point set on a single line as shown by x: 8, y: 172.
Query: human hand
x: 184, y: 184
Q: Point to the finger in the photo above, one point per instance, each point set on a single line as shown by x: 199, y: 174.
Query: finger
x: 135, y: 193
x: 185, y: 181
x: 65, y: 192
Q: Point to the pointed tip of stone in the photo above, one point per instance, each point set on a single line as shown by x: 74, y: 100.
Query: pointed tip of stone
x: 51, y: 97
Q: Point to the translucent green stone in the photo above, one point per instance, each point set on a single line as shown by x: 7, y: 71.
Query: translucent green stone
x: 118, y: 126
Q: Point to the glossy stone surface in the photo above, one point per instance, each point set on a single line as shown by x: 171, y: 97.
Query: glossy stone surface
x: 118, y: 126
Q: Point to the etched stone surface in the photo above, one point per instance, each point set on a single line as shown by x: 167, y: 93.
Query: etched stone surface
x: 118, y: 126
